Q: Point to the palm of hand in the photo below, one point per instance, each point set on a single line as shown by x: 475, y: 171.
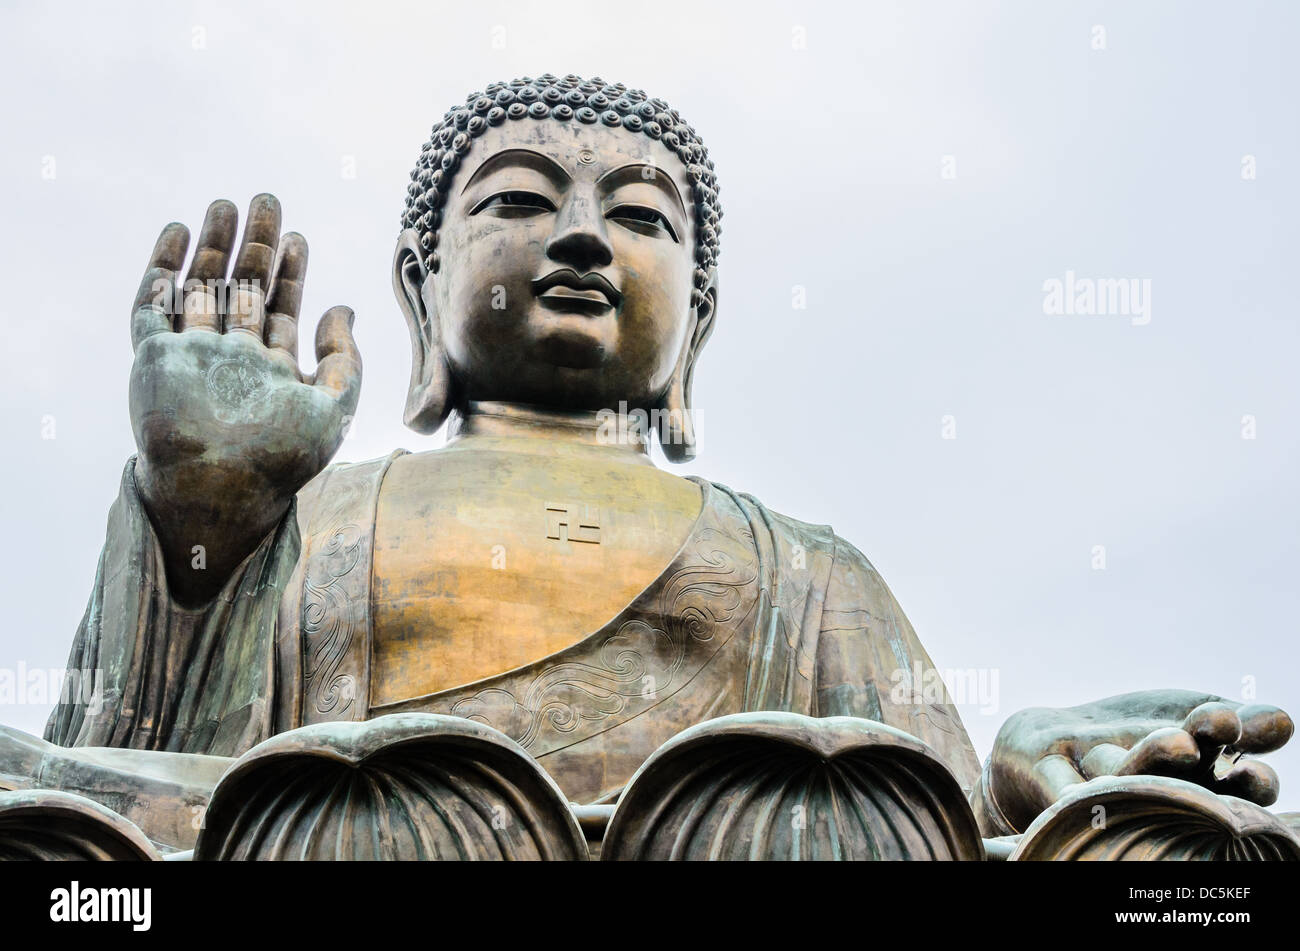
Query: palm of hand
x: 1041, y: 752
x: 227, y: 403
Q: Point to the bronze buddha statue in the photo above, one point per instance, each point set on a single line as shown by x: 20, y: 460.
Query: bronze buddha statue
x: 557, y: 269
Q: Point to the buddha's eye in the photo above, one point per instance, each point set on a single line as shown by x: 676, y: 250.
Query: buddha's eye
x: 514, y: 204
x: 642, y: 219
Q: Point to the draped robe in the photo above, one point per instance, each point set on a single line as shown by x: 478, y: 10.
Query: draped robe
x: 756, y: 611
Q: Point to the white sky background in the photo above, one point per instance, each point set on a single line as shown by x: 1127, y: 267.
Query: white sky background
x: 924, y: 295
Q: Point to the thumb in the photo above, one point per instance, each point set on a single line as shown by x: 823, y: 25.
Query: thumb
x: 338, y: 361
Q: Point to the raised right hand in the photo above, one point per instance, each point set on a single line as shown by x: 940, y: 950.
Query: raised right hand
x: 227, y: 426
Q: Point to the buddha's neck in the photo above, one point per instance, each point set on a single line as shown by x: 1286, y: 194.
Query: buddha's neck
x: 521, y: 427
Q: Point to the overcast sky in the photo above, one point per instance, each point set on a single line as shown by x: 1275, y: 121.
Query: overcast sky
x: 915, y: 174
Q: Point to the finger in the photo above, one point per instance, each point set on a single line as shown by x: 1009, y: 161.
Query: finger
x: 1104, y: 759
x: 251, y: 273
x: 1250, y: 780
x: 261, y: 235
x: 164, y: 263
x: 216, y: 239
x: 200, y: 310
x: 208, y: 269
x: 1213, y: 726
x: 1264, y: 728
x: 285, y: 299
x: 338, y: 362
x: 1050, y: 778
x: 152, y: 318
x: 245, y: 308
x: 155, y: 301
x: 1165, y: 752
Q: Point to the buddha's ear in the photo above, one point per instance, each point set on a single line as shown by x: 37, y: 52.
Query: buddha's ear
x: 428, y: 399
x: 676, y: 422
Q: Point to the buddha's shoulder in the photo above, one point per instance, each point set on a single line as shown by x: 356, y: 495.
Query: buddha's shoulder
x: 796, y: 537
x: 340, y: 482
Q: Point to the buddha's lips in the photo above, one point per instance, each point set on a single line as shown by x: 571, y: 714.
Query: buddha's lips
x: 590, y: 288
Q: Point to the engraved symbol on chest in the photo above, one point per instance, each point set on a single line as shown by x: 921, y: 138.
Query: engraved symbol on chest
x: 573, y: 522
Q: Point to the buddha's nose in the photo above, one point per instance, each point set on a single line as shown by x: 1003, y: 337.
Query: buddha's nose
x: 580, y: 239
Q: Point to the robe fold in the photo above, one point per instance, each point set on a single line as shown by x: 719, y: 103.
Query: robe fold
x: 756, y: 611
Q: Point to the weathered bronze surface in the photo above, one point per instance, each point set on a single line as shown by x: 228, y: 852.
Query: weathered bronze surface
x: 1155, y: 818
x: 404, y: 786
x: 785, y: 786
x: 557, y: 270
x: 48, y: 825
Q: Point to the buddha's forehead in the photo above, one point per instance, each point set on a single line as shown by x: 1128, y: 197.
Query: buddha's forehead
x: 585, y: 151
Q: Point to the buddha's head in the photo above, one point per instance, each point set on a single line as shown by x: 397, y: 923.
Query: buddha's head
x: 559, y: 248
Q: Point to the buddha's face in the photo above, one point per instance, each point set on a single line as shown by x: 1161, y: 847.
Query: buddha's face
x: 567, y: 254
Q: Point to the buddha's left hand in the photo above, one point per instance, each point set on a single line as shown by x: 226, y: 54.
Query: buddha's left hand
x: 1039, y: 753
